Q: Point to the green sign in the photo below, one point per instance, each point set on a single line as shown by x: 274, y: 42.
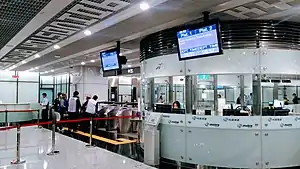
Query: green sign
x: 203, y: 77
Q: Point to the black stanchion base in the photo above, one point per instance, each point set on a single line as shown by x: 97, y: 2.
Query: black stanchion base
x: 53, y: 153
x: 89, y: 146
x: 18, y: 162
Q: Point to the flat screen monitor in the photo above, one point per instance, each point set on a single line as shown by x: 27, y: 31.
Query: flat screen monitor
x: 110, y: 60
x: 199, y: 42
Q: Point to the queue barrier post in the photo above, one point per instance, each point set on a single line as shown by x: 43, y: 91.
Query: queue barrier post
x: 53, y: 151
x: 18, y: 158
x: 38, y: 119
x: 91, y: 133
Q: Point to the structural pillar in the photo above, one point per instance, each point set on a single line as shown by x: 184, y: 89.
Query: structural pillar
x: 242, y: 90
x: 215, y: 84
x: 275, y: 91
x: 188, y: 94
x: 257, y: 95
x: 171, y: 90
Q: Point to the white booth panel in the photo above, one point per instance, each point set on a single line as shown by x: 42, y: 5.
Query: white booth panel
x: 7, y: 76
x: 224, y: 147
x: 8, y: 92
x: 278, y: 61
x: 167, y: 65
x: 47, y: 79
x: 28, y: 92
x: 124, y: 90
x: 28, y: 76
x: 232, y: 61
x: 125, y: 80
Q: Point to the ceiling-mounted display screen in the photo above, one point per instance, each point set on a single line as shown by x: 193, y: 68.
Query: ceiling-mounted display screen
x: 110, y: 60
x: 199, y: 42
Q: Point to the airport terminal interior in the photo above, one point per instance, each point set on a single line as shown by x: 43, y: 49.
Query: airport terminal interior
x: 149, y: 84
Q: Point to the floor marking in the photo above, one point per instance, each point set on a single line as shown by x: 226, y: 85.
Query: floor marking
x: 119, y: 141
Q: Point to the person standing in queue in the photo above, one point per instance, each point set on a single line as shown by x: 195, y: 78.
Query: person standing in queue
x: 74, y: 109
x: 45, y: 107
x: 91, y: 109
x: 56, y: 104
x: 295, y: 99
x: 84, y: 106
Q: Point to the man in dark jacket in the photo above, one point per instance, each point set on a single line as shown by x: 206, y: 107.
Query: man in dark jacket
x: 56, y: 103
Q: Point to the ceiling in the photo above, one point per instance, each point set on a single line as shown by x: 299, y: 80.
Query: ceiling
x: 30, y: 29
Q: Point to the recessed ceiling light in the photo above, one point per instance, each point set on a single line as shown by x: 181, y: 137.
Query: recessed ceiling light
x: 57, y: 56
x: 144, y: 6
x: 87, y: 32
x: 31, y: 69
x: 128, y: 65
x: 92, y: 61
x: 82, y: 63
x: 56, y: 47
x: 37, y: 56
x: 46, y: 72
x: 36, y: 68
x: 121, y: 54
x: 52, y: 70
x: 23, y: 62
x: 14, y: 66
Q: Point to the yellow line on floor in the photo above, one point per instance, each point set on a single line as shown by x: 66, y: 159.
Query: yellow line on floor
x: 118, y: 141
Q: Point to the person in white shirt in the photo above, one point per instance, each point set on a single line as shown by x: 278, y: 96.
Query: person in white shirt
x: 91, y: 109
x: 45, y: 107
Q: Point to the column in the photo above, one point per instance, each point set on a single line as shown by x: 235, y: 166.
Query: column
x: 215, y: 84
x: 170, y: 98
x: 275, y: 91
x: 257, y: 96
x: 242, y: 90
x: 188, y: 94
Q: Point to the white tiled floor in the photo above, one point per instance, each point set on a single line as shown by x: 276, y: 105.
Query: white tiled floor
x: 35, y: 143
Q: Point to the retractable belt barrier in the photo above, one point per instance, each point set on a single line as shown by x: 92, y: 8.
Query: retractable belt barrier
x: 54, y: 122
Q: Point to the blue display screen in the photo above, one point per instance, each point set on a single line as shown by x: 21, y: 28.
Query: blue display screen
x: 198, y: 42
x: 109, y: 60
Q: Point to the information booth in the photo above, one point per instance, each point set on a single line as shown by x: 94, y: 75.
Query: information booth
x: 239, y: 92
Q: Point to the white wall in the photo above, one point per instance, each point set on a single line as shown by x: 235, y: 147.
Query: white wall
x: 90, y: 82
x: 26, y: 88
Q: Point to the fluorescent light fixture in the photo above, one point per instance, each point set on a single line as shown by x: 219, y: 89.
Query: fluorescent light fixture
x: 56, y: 47
x: 144, y: 6
x: 36, y: 68
x: 82, y: 63
x: 23, y: 62
x: 87, y: 32
x: 93, y: 61
x: 52, y: 70
x: 37, y: 56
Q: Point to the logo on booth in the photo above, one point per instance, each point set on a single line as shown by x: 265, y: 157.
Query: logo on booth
x: 230, y: 119
x: 198, y: 118
x: 212, y: 125
x: 274, y: 119
x: 285, y: 125
x: 297, y: 118
x: 173, y: 122
x: 244, y: 126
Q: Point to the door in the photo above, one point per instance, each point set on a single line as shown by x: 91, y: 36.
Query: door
x: 49, y: 92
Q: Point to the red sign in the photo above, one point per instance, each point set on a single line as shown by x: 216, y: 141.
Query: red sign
x: 15, y: 76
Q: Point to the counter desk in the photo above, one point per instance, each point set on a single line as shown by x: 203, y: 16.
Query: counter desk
x: 231, y: 141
